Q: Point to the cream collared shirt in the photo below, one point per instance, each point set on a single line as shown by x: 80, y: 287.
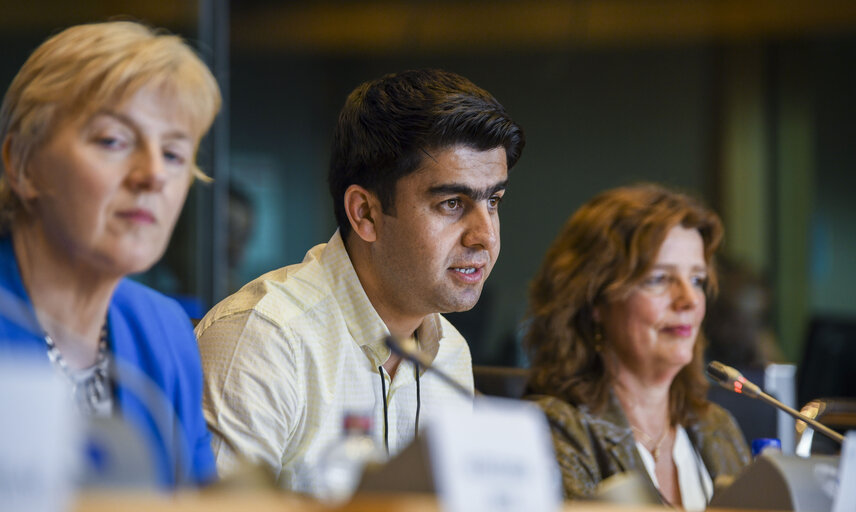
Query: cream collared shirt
x: 290, y: 353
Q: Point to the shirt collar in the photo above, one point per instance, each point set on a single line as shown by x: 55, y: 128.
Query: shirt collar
x: 613, y: 427
x: 611, y: 424
x: 363, y: 322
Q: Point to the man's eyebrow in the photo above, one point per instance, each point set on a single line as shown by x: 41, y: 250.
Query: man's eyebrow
x: 466, y: 190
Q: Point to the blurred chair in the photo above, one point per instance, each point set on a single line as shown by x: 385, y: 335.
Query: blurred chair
x: 501, y: 381
x: 827, y: 362
x: 839, y: 414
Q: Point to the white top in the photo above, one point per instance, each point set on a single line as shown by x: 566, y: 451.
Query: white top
x: 693, y: 479
x: 287, y: 355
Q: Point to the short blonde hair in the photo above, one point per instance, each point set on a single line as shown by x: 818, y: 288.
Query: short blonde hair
x: 88, y: 66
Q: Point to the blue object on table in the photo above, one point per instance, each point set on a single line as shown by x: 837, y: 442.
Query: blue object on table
x: 765, y: 443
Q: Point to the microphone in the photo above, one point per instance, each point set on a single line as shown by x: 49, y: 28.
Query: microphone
x: 733, y: 380
x: 409, y: 350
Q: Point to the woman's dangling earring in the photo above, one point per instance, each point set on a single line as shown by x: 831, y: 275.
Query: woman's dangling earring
x: 598, y: 337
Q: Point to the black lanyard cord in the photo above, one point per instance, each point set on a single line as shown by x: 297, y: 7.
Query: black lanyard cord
x: 385, y: 412
x: 418, y: 400
x: 386, y: 405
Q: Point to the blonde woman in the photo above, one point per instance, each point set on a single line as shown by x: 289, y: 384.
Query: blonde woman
x: 99, y: 134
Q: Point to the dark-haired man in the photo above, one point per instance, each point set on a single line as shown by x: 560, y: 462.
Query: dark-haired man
x: 419, y: 166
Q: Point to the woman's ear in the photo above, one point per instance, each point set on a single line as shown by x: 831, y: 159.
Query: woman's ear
x: 363, y: 210
x: 16, y: 176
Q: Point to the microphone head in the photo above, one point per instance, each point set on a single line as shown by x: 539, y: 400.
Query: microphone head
x: 731, y: 379
x: 718, y: 372
x: 393, y: 345
x: 407, y: 349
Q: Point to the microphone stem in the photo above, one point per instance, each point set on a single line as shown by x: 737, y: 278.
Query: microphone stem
x: 420, y: 359
x: 828, y: 432
x: 452, y: 382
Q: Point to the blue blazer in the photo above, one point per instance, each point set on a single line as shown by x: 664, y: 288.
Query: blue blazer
x: 158, y: 385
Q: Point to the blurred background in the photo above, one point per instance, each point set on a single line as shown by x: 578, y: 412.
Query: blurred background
x: 748, y: 104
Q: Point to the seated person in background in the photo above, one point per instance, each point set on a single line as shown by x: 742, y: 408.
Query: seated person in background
x: 616, y: 311
x: 99, y: 133
x: 738, y: 326
x: 419, y: 166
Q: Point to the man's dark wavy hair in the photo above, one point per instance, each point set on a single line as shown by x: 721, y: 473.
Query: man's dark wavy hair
x: 388, y: 125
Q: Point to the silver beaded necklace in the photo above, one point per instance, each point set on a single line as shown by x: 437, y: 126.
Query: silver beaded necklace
x: 90, y: 387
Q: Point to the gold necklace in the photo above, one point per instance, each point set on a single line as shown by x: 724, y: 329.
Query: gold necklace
x: 655, y: 451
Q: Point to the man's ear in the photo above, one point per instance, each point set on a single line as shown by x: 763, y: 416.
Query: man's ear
x: 363, y: 210
x: 16, y: 177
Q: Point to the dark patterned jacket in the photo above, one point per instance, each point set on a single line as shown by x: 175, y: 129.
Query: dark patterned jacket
x: 591, y: 448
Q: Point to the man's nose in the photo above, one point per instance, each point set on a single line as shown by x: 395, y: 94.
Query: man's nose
x: 482, y: 228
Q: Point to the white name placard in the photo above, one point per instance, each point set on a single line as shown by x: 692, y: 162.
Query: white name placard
x: 845, y: 498
x: 495, y: 457
x: 38, y: 437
